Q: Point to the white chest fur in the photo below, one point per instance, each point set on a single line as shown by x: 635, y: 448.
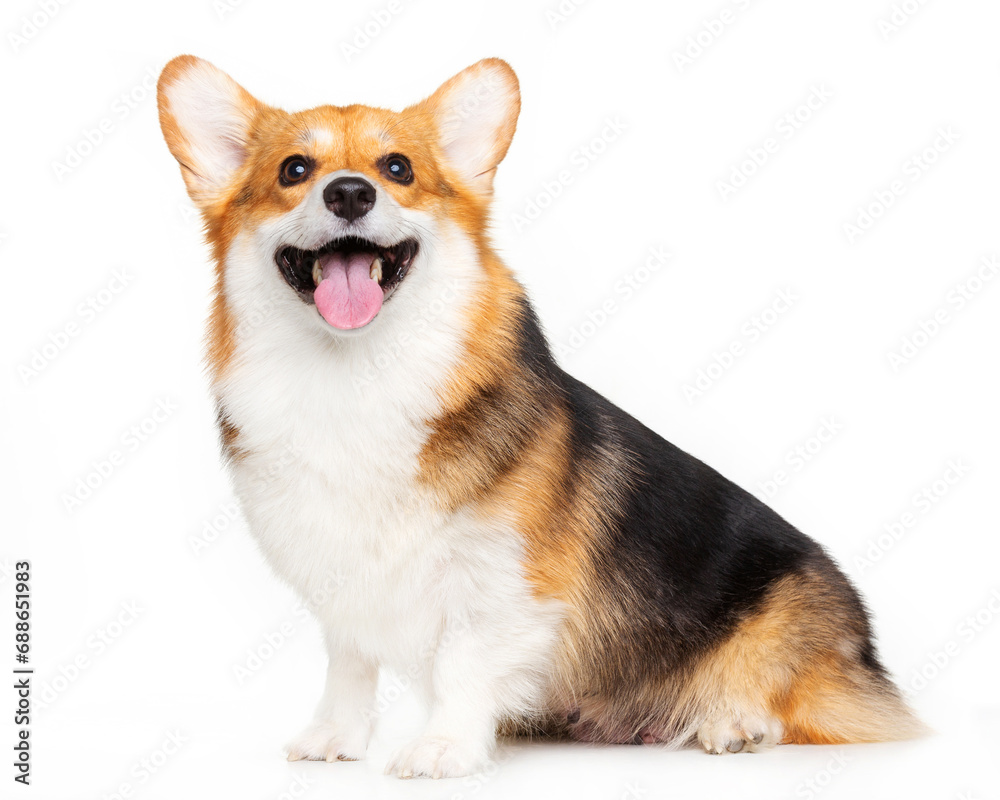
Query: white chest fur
x: 333, y: 430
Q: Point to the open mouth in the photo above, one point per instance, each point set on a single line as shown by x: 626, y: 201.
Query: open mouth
x: 348, y: 279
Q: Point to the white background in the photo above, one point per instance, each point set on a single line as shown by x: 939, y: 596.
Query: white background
x: 203, y: 612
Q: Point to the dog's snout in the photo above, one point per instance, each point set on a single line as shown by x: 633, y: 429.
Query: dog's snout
x: 349, y: 198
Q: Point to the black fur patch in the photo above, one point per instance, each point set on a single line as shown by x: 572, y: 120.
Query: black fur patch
x: 690, y: 554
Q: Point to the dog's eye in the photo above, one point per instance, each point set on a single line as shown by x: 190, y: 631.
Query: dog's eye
x: 398, y: 168
x: 294, y: 169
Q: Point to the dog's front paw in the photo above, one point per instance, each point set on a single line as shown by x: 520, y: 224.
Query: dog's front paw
x: 436, y: 758
x: 743, y: 736
x: 323, y: 741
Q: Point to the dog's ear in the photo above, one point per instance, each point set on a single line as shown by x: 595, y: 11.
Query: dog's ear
x: 206, y: 119
x: 476, y: 114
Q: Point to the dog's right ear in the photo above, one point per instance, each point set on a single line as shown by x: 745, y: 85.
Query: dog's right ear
x: 206, y: 119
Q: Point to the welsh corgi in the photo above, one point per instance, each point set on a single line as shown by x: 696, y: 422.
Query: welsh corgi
x: 449, y: 502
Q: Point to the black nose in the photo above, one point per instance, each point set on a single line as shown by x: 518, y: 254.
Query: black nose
x: 349, y: 198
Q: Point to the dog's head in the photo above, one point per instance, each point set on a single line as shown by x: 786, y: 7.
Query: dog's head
x: 336, y: 209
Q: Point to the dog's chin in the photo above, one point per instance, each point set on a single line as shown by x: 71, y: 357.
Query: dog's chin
x: 348, y: 280
x: 315, y: 321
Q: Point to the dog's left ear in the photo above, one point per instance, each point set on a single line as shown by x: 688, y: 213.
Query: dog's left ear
x: 476, y: 114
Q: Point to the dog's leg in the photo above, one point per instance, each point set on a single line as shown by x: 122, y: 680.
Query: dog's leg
x: 465, y: 689
x: 345, y: 715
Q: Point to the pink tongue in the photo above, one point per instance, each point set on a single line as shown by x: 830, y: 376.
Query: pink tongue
x: 347, y: 297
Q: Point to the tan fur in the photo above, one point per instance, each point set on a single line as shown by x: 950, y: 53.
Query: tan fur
x: 778, y: 664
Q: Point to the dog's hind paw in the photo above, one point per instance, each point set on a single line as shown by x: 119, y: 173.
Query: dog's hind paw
x: 748, y: 735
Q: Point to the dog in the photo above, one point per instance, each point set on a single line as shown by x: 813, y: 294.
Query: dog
x: 449, y: 502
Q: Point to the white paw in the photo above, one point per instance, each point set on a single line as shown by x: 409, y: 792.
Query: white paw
x: 748, y: 735
x: 322, y: 741
x: 436, y: 758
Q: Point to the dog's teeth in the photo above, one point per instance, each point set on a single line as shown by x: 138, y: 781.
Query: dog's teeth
x: 317, y: 272
x: 376, y: 269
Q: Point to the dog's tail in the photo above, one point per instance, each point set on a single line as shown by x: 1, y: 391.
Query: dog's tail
x: 839, y: 691
x: 838, y: 701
